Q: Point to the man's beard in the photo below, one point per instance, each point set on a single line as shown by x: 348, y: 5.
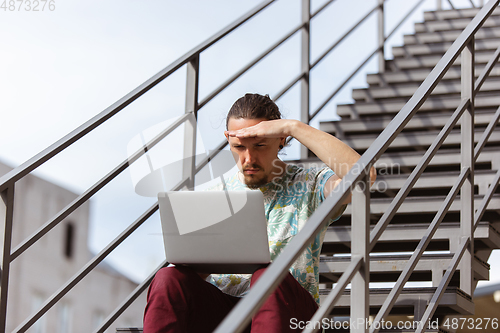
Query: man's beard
x: 252, y: 181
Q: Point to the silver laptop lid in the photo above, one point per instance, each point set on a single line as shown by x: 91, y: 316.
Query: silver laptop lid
x: 216, y: 231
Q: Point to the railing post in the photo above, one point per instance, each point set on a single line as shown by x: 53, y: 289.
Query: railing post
x: 305, y: 66
x: 439, y: 4
x: 189, y: 161
x: 381, y: 36
x: 360, y: 242
x: 7, y: 213
x: 467, y: 161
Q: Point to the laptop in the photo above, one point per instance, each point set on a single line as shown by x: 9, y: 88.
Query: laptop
x: 215, y: 231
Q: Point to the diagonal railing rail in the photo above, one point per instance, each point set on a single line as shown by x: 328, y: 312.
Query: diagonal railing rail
x: 191, y: 60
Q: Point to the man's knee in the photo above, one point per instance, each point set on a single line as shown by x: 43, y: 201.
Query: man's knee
x: 174, y: 279
x: 167, y: 275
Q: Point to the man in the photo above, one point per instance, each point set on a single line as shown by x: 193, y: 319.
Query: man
x: 179, y: 300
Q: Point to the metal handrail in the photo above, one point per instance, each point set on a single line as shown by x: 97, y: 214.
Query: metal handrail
x: 333, y: 94
x: 241, y: 314
x: 338, y: 41
x: 33, y: 163
x: 419, y: 250
x: 7, y: 181
x: 438, y: 294
x: 416, y: 173
x: 336, y: 292
x: 487, y: 197
x: 66, y: 211
x: 132, y: 297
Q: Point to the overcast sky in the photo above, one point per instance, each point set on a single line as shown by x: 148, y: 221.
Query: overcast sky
x: 60, y: 68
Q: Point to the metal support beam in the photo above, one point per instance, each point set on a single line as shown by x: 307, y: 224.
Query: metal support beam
x: 189, y: 157
x: 360, y: 291
x: 467, y: 161
x: 7, y: 212
x: 381, y: 36
x: 304, y: 68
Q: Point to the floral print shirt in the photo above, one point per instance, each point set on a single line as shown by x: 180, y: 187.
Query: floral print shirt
x: 289, y: 202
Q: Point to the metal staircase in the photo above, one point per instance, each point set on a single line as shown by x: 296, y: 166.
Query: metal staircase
x: 426, y: 122
x: 361, y: 124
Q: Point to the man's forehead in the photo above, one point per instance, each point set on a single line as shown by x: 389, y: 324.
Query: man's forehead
x: 246, y: 141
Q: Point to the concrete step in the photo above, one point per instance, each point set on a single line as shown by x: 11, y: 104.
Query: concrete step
x: 482, y: 57
x: 404, y: 162
x: 387, y: 268
x: 455, y: 24
x: 418, y: 75
x: 406, y: 236
x: 420, y: 121
x: 453, y: 301
x: 439, y: 15
x: 440, y: 48
x: 448, y: 36
x: 434, y: 180
x: 422, y: 205
x: 443, y: 158
x: 492, y: 84
x: 433, y: 103
x: 415, y: 140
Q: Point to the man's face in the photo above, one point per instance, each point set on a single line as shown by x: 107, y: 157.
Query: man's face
x: 256, y: 157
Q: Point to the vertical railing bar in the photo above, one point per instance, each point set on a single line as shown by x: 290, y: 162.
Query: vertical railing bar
x: 84, y: 271
x: 439, y: 4
x: 130, y: 299
x: 190, y: 126
x: 49, y: 225
x: 328, y: 303
x: 467, y: 161
x: 305, y: 66
x: 7, y: 216
x: 486, y: 134
x: 418, y: 252
x: 360, y: 241
x: 486, y: 200
x: 381, y: 36
x: 438, y: 294
x: 487, y: 70
x: 415, y: 174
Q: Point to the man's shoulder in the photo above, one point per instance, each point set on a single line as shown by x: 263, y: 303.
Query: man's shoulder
x: 299, y: 172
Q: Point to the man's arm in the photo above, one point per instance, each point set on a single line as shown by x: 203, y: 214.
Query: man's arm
x: 337, y: 155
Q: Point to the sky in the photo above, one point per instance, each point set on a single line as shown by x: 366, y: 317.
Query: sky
x: 62, y: 67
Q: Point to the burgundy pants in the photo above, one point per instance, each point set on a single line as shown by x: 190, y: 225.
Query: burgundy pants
x: 181, y: 301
